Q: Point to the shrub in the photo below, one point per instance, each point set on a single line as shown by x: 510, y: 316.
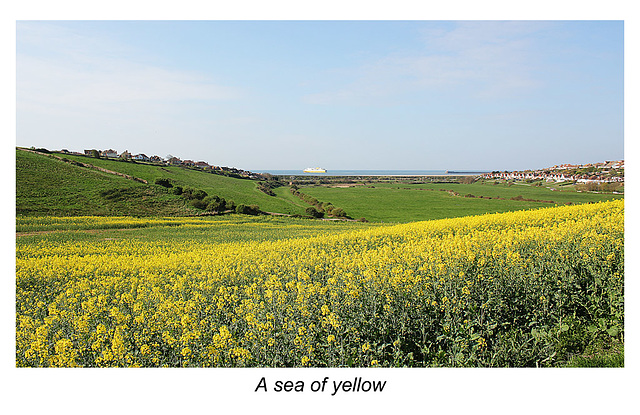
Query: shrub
x: 338, y: 213
x: 199, y: 204
x: 247, y: 210
x: 215, y: 203
x: 311, y: 211
x: 177, y: 190
x: 191, y: 194
x: 199, y: 194
x: 187, y: 193
x: 266, y: 188
x: 164, y: 183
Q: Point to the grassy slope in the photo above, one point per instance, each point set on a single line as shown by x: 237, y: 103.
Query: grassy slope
x: 404, y: 202
x: 46, y: 186
x: 239, y: 190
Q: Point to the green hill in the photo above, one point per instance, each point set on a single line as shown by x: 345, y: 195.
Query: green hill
x: 46, y: 185
x: 49, y: 186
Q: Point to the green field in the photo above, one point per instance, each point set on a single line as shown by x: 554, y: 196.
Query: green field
x: 389, y: 202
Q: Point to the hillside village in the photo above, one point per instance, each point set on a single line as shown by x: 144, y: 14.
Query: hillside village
x: 168, y: 161
x: 606, y: 172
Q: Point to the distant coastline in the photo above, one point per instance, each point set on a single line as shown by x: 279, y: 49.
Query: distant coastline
x: 374, y: 173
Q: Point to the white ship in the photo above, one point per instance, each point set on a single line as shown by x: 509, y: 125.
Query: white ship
x: 314, y: 170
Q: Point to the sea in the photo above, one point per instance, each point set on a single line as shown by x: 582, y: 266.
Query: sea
x: 374, y: 173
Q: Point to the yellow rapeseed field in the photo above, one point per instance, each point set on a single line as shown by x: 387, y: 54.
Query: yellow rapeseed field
x: 514, y: 289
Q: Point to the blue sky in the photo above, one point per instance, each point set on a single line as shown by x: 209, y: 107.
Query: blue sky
x: 260, y: 95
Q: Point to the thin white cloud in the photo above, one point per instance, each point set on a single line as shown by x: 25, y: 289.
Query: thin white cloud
x: 61, y: 71
x: 485, y: 58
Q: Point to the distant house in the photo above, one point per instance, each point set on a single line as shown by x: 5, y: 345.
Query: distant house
x: 141, y: 157
x: 156, y: 159
x: 126, y: 155
x: 110, y: 153
x: 188, y: 163
x: 174, y: 161
x: 203, y: 165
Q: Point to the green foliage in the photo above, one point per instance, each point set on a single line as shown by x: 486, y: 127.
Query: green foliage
x: 267, y: 186
x: 599, y: 354
x: 215, y: 203
x: 338, y: 213
x: 199, y: 204
x: 318, y: 209
x: 164, y: 182
x: 247, y: 210
x: 311, y: 211
x: 193, y: 194
x: 264, y: 188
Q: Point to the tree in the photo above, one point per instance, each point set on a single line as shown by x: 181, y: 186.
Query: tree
x: 215, y: 203
x: 311, y: 211
x: 338, y: 213
x: 199, y: 204
x: 247, y: 210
